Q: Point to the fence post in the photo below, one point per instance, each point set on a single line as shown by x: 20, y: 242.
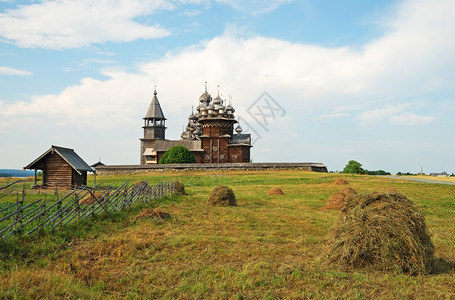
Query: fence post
x: 43, y: 214
x: 59, y: 205
x: 20, y: 211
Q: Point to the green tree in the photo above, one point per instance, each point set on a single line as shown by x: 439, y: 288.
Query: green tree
x: 354, y: 167
x: 178, y: 155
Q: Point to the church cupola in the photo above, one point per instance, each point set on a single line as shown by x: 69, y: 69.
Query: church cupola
x: 154, y: 120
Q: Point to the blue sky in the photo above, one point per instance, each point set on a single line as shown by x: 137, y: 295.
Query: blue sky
x: 366, y: 80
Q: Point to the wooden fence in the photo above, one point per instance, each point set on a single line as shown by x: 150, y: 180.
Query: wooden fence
x: 26, y: 217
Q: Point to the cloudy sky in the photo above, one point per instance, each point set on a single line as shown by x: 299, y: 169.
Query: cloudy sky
x: 372, y: 81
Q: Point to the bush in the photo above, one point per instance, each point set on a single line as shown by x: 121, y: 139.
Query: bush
x: 177, y: 155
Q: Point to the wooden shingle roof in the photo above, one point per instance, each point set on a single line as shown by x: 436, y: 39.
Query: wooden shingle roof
x: 68, y: 155
x: 155, y: 111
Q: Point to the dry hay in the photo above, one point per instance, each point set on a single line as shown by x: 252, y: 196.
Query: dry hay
x: 179, y: 188
x: 142, y: 184
x: 341, y: 181
x: 337, y: 200
x: 156, y: 213
x: 380, y: 231
x: 91, y: 198
x: 275, y: 192
x: 349, y: 191
x: 222, y: 196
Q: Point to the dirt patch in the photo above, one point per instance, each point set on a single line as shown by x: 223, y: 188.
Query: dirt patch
x: 341, y: 181
x: 222, y: 196
x: 275, y: 192
x: 380, y: 231
x: 156, y: 213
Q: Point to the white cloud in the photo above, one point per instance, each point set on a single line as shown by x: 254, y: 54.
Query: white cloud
x: 306, y: 80
x: 77, y: 23
x: 12, y: 71
x: 380, y: 114
x: 255, y: 6
x: 411, y: 119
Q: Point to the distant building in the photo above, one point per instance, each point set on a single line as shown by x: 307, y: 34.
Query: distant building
x: 209, y: 133
x: 61, y: 167
x: 443, y: 174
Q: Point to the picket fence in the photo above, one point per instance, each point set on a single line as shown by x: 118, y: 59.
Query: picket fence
x: 25, y: 217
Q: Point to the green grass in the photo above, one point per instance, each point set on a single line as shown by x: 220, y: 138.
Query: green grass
x: 268, y: 247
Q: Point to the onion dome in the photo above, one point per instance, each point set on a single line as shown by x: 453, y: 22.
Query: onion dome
x: 205, y: 98
x: 238, y: 129
x: 230, y: 110
x: 204, y: 112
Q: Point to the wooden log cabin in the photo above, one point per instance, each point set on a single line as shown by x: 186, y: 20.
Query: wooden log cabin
x: 61, y: 167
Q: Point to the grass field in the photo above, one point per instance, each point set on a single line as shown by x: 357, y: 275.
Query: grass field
x: 267, y: 247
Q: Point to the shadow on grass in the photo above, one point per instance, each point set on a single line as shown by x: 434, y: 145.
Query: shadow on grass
x: 442, y: 266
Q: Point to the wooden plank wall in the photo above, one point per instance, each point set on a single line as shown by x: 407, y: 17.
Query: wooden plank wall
x: 58, y: 172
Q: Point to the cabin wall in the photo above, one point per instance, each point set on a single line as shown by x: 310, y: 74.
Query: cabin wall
x: 79, y: 180
x: 57, y: 172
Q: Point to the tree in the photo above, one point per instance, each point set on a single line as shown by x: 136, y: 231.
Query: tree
x: 178, y: 155
x: 353, y: 167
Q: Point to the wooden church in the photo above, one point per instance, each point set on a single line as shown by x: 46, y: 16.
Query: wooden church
x: 209, y: 133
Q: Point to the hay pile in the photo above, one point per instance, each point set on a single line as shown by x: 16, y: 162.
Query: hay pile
x: 142, y: 184
x: 349, y: 191
x: 156, y: 213
x: 337, y: 200
x: 275, y: 192
x: 222, y: 196
x: 91, y: 198
x: 341, y: 181
x: 179, y: 188
x: 380, y: 231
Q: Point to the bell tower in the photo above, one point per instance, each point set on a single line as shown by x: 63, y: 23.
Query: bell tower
x: 154, y: 126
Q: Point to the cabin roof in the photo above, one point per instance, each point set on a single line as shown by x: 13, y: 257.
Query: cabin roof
x: 67, y: 154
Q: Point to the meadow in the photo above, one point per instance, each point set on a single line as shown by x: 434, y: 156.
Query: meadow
x: 267, y: 247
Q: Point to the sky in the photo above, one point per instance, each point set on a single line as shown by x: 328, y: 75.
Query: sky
x: 323, y: 81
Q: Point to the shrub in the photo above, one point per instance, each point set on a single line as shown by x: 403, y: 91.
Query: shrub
x: 177, y: 155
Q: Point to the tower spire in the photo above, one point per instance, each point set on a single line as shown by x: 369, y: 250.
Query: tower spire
x: 206, y: 86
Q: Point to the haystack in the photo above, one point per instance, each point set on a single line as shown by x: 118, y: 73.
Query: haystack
x: 341, y: 181
x: 275, y: 192
x: 179, y: 188
x: 156, y: 213
x: 337, y: 200
x: 142, y: 184
x: 349, y: 191
x: 91, y: 198
x: 380, y: 231
x: 222, y: 196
